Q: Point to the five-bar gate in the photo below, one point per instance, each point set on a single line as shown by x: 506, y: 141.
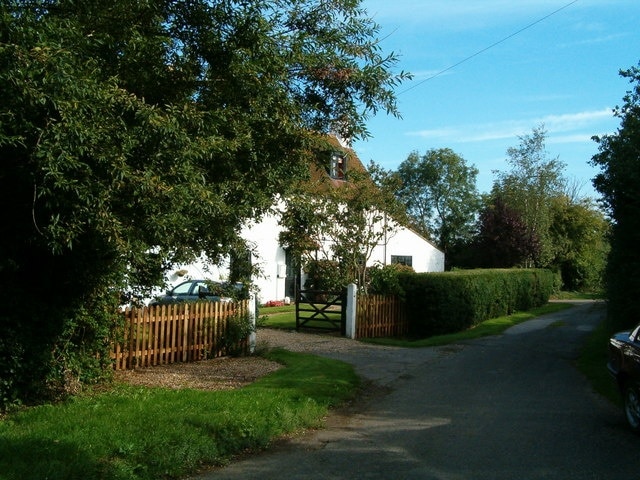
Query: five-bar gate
x: 321, y: 310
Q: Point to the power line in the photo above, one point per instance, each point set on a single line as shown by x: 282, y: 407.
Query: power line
x: 479, y: 52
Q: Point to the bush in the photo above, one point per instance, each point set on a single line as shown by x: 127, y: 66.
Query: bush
x: 50, y: 352
x: 440, y: 303
x: 324, y: 275
x: 234, y: 290
x: 385, y: 280
x: 239, y: 327
x: 11, y: 360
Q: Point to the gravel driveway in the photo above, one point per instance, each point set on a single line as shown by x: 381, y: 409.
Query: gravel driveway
x: 380, y: 364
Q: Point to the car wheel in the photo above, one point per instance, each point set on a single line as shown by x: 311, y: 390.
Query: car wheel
x: 632, y: 407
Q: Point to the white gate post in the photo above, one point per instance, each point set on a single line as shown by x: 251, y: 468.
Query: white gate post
x: 251, y: 311
x: 352, y: 297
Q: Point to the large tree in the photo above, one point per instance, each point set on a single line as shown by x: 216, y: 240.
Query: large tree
x: 503, y: 239
x: 134, y: 135
x: 619, y: 184
x: 440, y: 194
x: 528, y: 187
x: 579, y: 233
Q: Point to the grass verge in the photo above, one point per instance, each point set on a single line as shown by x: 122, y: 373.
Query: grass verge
x: 566, y: 295
x: 150, y: 433
x: 592, y: 362
x: 494, y: 326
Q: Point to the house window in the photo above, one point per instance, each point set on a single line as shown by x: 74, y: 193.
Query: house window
x: 338, y: 166
x: 402, y: 260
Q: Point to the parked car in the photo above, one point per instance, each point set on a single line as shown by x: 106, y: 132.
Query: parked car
x: 190, y: 291
x: 195, y: 290
x: 624, y: 365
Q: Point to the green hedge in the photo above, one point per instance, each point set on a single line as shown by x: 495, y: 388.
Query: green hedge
x: 439, y: 303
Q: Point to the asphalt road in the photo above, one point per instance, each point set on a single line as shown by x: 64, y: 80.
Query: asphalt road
x: 506, y: 407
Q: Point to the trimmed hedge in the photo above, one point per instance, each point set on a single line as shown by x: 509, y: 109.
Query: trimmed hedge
x: 439, y: 303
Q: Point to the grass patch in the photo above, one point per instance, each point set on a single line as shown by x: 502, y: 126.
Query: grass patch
x: 285, y: 317
x: 284, y: 321
x: 592, y: 362
x: 566, y: 295
x: 275, y: 310
x: 328, y: 382
x: 150, y: 433
x: 494, y: 326
x: 278, y: 317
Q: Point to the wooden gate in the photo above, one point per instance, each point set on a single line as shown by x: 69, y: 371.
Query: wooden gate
x: 321, y: 310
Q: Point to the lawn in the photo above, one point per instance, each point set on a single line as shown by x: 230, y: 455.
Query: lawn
x: 278, y: 317
x: 285, y: 317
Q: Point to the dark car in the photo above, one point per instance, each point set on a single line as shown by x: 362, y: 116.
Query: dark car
x: 190, y: 291
x: 624, y: 365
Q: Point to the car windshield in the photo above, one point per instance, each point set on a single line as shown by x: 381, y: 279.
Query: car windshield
x: 182, y: 289
x: 201, y: 286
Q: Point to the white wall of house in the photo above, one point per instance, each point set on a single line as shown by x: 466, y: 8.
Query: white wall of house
x: 425, y: 257
x: 270, y: 258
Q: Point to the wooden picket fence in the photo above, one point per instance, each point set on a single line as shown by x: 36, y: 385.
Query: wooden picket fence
x: 380, y: 316
x: 184, y: 332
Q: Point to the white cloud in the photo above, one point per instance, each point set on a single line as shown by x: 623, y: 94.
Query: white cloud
x: 596, y: 40
x: 436, y: 133
x: 575, y: 127
x: 473, y: 133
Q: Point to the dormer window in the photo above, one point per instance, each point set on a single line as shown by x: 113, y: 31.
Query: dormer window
x: 338, y: 166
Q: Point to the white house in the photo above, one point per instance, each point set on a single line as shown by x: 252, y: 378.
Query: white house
x: 277, y: 273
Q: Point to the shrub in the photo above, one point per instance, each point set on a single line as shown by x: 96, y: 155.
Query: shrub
x: 324, y: 275
x: 52, y: 351
x: 384, y: 280
x: 11, y: 359
x: 238, y: 329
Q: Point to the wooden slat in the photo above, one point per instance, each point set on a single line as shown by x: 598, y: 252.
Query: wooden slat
x: 380, y: 316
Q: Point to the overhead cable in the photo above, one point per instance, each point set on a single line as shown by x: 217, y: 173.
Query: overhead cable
x: 479, y: 52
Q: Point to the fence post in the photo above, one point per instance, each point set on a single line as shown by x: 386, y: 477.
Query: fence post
x: 352, y: 298
x: 251, y: 311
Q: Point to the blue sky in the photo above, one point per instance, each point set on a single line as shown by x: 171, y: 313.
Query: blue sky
x: 561, y: 72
